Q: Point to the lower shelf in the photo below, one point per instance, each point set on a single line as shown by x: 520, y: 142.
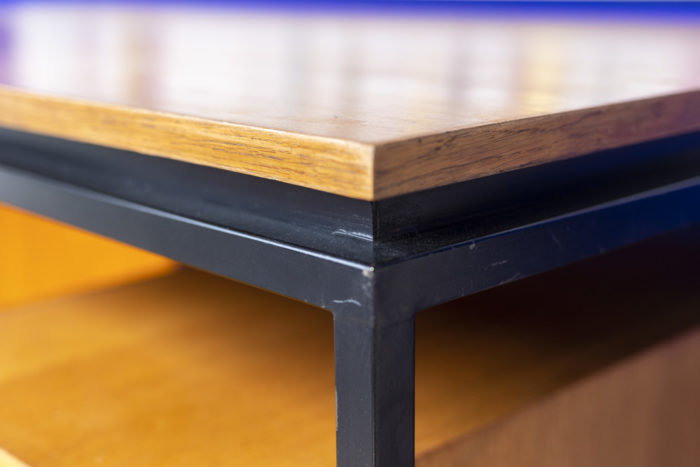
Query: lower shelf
x: 42, y: 259
x: 190, y: 369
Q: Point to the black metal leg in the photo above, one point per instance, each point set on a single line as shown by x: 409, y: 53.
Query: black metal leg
x: 375, y: 387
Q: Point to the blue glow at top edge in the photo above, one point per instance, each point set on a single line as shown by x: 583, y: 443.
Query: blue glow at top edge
x: 655, y: 10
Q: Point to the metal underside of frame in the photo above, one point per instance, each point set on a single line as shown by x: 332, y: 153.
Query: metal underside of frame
x: 343, y: 254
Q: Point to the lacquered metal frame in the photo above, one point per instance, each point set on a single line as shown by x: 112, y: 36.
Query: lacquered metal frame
x: 373, y: 264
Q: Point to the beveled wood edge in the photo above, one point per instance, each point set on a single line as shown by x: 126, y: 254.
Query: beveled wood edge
x: 436, y: 160
x: 326, y: 164
x: 349, y: 168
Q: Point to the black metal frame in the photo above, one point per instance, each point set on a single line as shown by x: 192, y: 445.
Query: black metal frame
x: 373, y: 264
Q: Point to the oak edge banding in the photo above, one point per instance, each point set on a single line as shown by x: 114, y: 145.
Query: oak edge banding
x: 431, y: 161
x: 354, y: 169
x: 326, y: 164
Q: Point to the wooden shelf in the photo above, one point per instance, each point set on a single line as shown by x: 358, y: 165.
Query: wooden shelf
x: 190, y: 369
x: 358, y: 106
x: 42, y: 259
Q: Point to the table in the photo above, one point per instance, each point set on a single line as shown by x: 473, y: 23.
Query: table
x: 370, y: 166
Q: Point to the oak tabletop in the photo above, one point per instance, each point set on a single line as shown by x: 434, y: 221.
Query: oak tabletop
x: 362, y: 106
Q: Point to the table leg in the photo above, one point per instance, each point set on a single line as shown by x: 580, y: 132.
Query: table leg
x: 375, y: 387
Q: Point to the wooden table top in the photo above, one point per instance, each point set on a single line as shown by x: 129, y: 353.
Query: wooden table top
x: 365, y: 107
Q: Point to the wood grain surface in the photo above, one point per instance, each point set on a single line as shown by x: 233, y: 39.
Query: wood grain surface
x: 643, y: 413
x: 191, y: 369
x: 365, y: 107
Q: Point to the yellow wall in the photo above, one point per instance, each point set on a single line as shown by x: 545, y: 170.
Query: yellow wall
x: 40, y: 259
